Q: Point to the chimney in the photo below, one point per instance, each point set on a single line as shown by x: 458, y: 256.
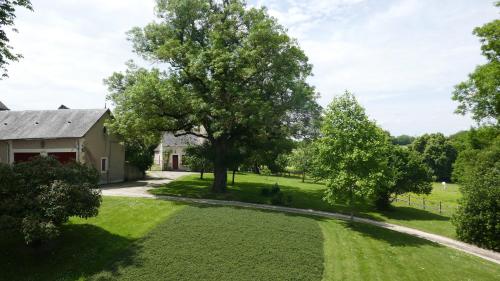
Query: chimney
x: 3, y: 107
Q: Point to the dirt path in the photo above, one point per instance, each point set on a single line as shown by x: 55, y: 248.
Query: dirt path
x: 140, y: 188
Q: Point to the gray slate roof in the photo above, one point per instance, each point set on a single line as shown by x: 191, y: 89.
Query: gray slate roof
x: 48, y: 124
x: 187, y: 140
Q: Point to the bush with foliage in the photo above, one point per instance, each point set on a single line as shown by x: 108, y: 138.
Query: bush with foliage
x: 38, y: 196
x: 477, y: 219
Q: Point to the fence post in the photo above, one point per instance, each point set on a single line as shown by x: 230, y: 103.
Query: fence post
x: 439, y: 207
x: 409, y: 204
x: 423, y: 202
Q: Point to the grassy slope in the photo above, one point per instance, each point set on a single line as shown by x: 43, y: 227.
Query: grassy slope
x: 304, y: 195
x: 85, y: 246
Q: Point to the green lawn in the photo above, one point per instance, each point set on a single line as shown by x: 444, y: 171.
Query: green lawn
x: 146, y: 239
x: 86, y: 246
x: 306, y: 195
x: 447, y: 196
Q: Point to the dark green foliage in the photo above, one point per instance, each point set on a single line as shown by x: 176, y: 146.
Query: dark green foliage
x: 7, y: 17
x: 478, y: 217
x: 480, y: 94
x: 275, y: 189
x: 40, y: 195
x: 139, y: 154
x: 199, y: 159
x: 402, y: 140
x: 264, y: 191
x: 410, y: 174
x: 230, y: 68
x: 439, y: 154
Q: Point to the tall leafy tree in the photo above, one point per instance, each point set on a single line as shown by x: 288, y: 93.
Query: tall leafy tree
x: 7, y: 17
x: 227, y: 67
x: 302, y: 158
x: 352, y: 152
x: 477, y: 219
x: 409, y: 174
x: 438, y: 152
x: 480, y: 94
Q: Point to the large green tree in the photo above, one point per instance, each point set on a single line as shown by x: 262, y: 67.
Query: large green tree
x: 352, y: 153
x: 480, y: 94
x: 7, y: 17
x: 227, y: 67
x: 477, y: 169
x: 438, y: 152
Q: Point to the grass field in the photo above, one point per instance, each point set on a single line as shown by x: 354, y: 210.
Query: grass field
x: 146, y: 239
x: 448, y: 196
x: 306, y: 195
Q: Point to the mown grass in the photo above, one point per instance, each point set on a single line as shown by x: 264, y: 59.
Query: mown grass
x: 145, y: 239
x: 85, y: 246
x: 218, y: 243
x: 448, y: 196
x: 366, y: 252
x: 308, y: 195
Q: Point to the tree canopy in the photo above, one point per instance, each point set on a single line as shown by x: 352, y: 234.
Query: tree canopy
x: 227, y: 67
x: 351, y: 152
x: 439, y: 154
x: 480, y: 94
x: 7, y: 17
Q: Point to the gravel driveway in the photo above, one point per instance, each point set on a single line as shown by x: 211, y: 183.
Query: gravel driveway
x: 140, y: 188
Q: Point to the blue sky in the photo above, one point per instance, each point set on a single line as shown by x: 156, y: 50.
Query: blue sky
x: 400, y: 58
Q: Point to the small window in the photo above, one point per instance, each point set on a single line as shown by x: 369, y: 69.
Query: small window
x: 104, y: 165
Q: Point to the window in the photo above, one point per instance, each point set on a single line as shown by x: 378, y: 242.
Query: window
x: 104, y: 165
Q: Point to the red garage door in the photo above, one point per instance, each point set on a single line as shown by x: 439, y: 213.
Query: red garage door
x: 63, y: 157
x: 24, y: 156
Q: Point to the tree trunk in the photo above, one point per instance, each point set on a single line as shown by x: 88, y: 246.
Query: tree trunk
x: 220, y: 169
x: 201, y: 174
x: 232, y: 182
x: 303, y: 176
x: 256, y: 169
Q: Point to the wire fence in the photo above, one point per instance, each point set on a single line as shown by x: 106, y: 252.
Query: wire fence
x: 425, y: 204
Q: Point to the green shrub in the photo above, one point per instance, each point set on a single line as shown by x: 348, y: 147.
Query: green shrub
x: 38, y: 196
x: 264, y: 191
x: 278, y: 199
x: 275, y: 189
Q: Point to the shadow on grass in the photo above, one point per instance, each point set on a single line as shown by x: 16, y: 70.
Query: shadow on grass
x: 388, y: 236
x: 82, y: 250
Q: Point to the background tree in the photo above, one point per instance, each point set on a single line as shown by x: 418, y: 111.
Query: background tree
x: 197, y: 158
x: 480, y: 94
x: 439, y: 154
x: 231, y: 69
x: 7, y: 17
x: 409, y: 173
x: 402, y: 140
x: 351, y: 153
x: 302, y: 158
x: 477, y: 219
x: 37, y: 197
x: 139, y: 154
